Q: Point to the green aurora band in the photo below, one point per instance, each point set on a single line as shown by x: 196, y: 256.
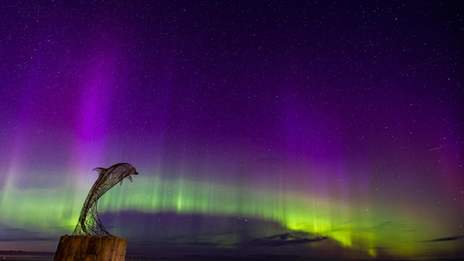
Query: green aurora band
x: 353, y: 226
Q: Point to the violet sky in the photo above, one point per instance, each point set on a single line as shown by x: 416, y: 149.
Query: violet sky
x: 236, y: 114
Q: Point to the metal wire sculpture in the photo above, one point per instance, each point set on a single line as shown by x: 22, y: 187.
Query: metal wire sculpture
x: 89, y: 223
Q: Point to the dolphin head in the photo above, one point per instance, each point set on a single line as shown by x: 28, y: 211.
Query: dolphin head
x: 125, y: 170
x: 132, y: 171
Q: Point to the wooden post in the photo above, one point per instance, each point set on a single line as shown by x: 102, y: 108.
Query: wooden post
x: 91, y: 248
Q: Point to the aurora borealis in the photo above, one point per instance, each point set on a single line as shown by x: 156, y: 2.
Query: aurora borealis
x: 320, y: 130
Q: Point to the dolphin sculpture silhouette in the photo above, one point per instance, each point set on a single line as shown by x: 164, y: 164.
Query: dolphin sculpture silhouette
x: 89, y: 223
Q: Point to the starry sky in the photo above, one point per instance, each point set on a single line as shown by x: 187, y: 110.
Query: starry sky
x: 316, y: 129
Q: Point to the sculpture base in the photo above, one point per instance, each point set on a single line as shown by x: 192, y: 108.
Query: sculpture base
x: 91, y: 248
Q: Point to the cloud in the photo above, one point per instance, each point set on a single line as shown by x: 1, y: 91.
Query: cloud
x: 282, y: 257
x: 444, y: 239
x: 19, y: 234
x: 203, y: 244
x: 26, y: 239
x: 384, y: 224
x: 381, y: 248
x: 283, y: 239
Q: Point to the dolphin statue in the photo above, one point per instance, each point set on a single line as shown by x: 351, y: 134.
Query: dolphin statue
x: 89, y: 223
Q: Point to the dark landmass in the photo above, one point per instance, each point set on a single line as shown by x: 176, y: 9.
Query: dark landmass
x: 25, y: 255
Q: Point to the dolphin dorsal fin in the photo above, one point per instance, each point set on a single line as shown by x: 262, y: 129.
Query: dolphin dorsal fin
x: 99, y: 170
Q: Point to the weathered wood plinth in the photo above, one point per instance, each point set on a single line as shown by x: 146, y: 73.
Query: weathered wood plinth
x: 91, y: 248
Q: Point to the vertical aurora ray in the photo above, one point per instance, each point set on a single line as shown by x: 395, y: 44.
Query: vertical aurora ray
x: 93, y: 119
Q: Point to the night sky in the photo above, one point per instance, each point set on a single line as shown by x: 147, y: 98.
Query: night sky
x: 316, y: 129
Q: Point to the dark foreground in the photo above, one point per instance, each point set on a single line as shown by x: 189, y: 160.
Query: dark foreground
x: 48, y: 256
